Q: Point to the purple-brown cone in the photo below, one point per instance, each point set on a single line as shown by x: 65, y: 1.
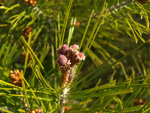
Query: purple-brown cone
x: 62, y: 61
x: 63, y: 50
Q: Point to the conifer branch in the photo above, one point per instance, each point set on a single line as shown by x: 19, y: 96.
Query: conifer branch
x: 115, y: 8
x: 68, y: 58
x: 120, y: 5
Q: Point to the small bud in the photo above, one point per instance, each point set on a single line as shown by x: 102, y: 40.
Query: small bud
x: 32, y: 111
x: 62, y: 61
x: 81, y: 56
x: 27, y: 31
x: 12, y: 76
x: 11, y: 72
x: 36, y: 110
x: 31, y: 2
x: 35, y: 2
x: 139, y: 102
x: 77, y: 24
x: 74, y: 47
x: 40, y: 110
x: 63, y: 50
x: 16, y: 78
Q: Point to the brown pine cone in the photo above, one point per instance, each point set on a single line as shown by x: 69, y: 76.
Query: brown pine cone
x: 27, y: 31
x: 15, y: 77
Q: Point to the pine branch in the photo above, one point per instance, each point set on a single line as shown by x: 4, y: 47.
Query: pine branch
x: 115, y: 8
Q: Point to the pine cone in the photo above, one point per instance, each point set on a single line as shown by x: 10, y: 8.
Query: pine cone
x: 27, y: 31
x: 15, y: 76
x: 30, y: 2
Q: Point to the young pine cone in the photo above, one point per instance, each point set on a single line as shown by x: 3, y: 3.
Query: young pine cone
x: 30, y: 2
x: 27, y: 31
x: 15, y: 76
x: 37, y: 110
x: 69, y: 57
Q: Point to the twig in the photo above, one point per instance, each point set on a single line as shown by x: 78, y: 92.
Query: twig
x: 65, y: 91
x: 115, y: 8
x: 24, y: 103
x: 63, y: 99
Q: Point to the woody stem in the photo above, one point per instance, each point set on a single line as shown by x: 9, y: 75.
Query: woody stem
x: 25, y: 103
x: 65, y: 91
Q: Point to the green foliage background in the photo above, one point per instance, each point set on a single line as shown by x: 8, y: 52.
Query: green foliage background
x: 113, y: 34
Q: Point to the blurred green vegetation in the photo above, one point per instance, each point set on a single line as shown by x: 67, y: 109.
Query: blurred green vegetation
x: 113, y: 34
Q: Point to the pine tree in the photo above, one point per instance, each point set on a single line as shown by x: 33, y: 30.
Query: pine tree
x: 74, y: 56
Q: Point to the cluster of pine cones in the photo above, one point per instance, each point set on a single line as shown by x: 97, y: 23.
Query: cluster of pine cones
x: 15, y: 76
x: 30, y: 2
x: 37, y: 110
x: 69, y: 57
